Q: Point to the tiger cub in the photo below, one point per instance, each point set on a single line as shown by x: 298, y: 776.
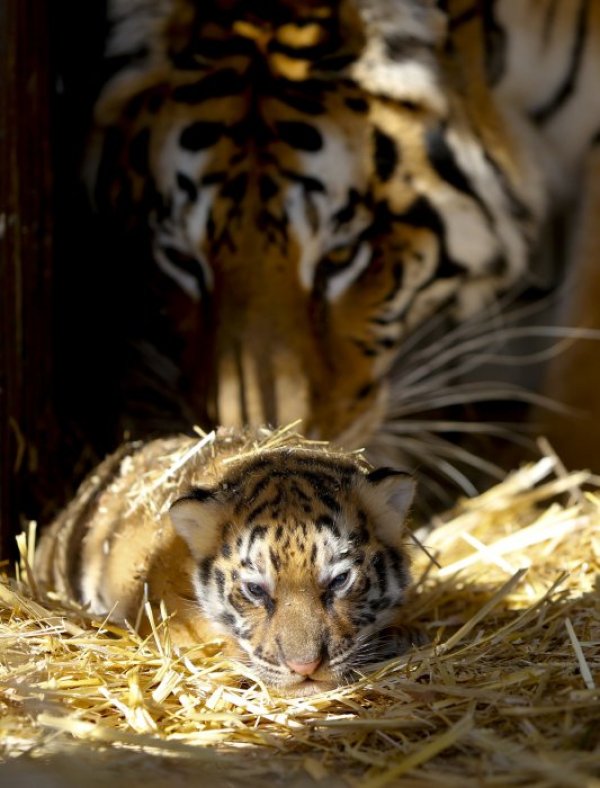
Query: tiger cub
x: 293, y: 554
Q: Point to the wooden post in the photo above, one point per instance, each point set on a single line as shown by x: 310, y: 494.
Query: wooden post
x: 27, y: 414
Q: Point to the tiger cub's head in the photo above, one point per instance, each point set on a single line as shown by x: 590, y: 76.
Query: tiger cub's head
x: 300, y: 561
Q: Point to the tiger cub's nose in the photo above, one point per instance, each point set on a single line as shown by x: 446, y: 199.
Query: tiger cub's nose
x: 304, y: 668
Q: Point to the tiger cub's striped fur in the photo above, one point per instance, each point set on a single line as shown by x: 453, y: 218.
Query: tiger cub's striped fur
x: 293, y: 554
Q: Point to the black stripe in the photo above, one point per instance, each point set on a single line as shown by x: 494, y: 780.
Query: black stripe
x: 379, y: 567
x: 364, y: 391
x: 341, y: 467
x: 519, y: 210
x: 269, y: 606
x: 256, y: 511
x: 257, y: 532
x: 357, y: 104
x: 386, y: 342
x: 188, y: 264
x: 227, y: 619
x: 274, y: 559
x: 197, y: 494
x: 379, y: 604
x: 465, y: 16
x: 379, y: 474
x: 549, y: 18
x: 220, y: 581
x: 399, y: 46
x: 327, y: 598
x: 318, y: 475
x: 235, y: 189
x: 84, y: 505
x: 187, y: 186
x: 299, y: 492
x: 260, y: 654
x: 422, y: 214
x: 272, y: 504
x: 260, y: 485
x: 214, y: 49
x: 385, y: 154
x: 214, y: 177
x: 267, y: 188
x: 300, y: 135
x: 308, y: 105
x: 324, y: 488
x: 225, y: 82
x: 495, y: 43
x: 361, y: 535
x: 568, y: 85
x: 200, y: 135
x: 347, y: 212
x: 327, y: 523
x: 398, y: 561
x: 444, y: 162
x: 365, y: 349
x: 139, y: 151
x: 226, y: 550
x: 205, y: 569
x: 308, y: 183
x: 328, y: 500
x: 397, y: 280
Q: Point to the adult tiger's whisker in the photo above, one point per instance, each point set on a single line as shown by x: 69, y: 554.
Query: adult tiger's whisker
x: 471, y: 359
x: 438, y: 425
x: 444, y: 448
x: 416, y: 449
x: 474, y: 393
x: 480, y: 322
x: 447, y: 449
x: 517, y: 438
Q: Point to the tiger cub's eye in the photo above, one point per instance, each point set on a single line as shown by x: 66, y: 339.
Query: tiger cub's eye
x: 339, y: 581
x: 254, y: 592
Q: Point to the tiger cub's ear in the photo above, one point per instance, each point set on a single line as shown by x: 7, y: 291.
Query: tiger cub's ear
x: 388, y: 494
x: 196, y: 517
x: 397, y: 488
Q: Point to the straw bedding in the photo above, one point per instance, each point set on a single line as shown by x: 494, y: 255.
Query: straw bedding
x: 505, y: 692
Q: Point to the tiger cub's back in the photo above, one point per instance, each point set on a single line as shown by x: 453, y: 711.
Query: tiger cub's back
x: 103, y: 547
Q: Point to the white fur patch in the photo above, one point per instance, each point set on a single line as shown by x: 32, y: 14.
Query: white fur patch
x: 410, y: 81
x: 414, y: 78
x: 340, y: 165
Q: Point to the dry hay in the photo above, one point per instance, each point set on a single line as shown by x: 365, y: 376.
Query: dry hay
x: 506, y: 693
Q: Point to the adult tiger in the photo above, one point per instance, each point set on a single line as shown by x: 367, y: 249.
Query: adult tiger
x: 321, y: 178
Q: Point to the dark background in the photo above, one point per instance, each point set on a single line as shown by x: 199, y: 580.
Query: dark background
x: 62, y: 292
